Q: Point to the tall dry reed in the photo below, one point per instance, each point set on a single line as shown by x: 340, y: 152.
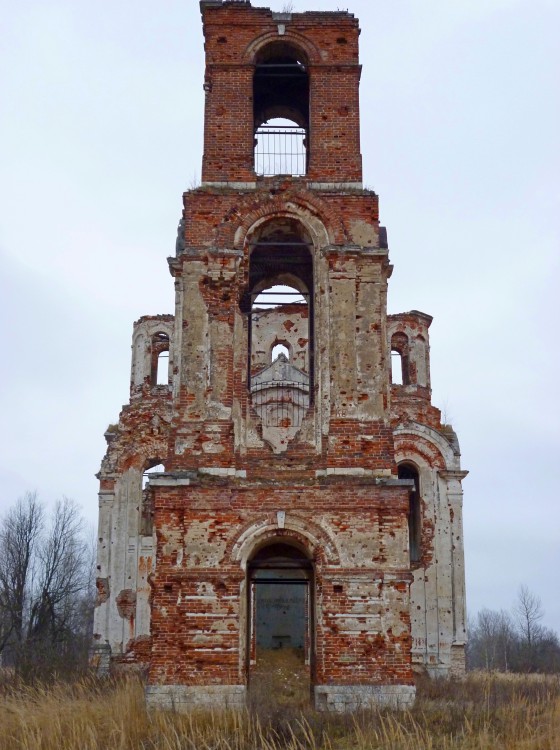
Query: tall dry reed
x: 482, y: 712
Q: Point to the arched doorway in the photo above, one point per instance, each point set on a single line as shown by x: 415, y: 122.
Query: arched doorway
x: 280, y: 629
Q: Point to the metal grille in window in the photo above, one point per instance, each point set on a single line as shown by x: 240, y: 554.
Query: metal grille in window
x: 280, y: 403
x: 280, y: 149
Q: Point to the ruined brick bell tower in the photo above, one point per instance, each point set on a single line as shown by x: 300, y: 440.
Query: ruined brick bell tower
x: 301, y: 498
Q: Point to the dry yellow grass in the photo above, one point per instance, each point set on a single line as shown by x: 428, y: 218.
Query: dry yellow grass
x: 479, y: 713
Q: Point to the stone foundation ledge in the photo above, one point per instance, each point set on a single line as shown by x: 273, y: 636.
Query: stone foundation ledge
x: 183, y: 698
x: 342, y: 698
x: 100, y: 659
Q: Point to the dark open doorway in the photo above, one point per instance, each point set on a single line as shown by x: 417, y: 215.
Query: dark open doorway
x: 280, y: 631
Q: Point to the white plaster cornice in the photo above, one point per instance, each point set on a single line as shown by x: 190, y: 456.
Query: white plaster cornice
x: 458, y: 475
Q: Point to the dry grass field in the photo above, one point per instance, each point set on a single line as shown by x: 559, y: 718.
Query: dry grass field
x: 482, y: 712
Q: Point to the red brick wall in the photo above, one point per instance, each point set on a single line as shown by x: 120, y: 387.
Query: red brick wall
x: 213, y: 216
x: 329, y: 41
x: 337, y: 476
x: 198, y: 623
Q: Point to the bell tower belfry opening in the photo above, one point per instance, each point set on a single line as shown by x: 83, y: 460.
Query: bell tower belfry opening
x: 299, y: 492
x: 281, y: 110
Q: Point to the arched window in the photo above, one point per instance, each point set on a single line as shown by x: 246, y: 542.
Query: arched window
x: 278, y: 298
x: 396, y: 368
x: 409, y: 471
x: 281, y: 110
x: 162, y: 377
x: 278, y: 301
x: 280, y: 350
x: 160, y: 359
x: 400, y: 360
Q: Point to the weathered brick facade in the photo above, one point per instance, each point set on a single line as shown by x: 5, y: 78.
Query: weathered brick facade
x: 314, y: 458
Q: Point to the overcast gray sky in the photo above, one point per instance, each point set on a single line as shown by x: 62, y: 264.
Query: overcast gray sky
x: 100, y: 133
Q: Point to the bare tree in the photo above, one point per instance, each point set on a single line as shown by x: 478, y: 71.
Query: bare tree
x: 45, y: 575
x: 492, y: 641
x: 61, y: 572
x: 515, y: 642
x: 528, y: 612
x: 19, y: 539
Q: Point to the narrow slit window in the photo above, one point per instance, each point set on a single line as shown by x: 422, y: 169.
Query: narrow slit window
x: 396, y: 368
x: 407, y: 471
x: 400, y: 359
x: 162, y: 377
x: 160, y: 359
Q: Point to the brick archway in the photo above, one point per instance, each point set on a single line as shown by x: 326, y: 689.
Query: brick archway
x: 290, y: 38
x: 280, y: 623
x: 301, y: 531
